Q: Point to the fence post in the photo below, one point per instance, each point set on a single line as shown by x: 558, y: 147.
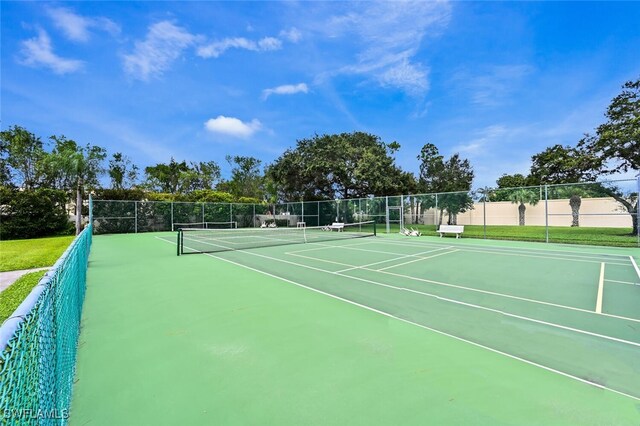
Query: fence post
x: 302, y: 202
x: 90, y: 210
x: 135, y: 215
x: 546, y: 213
x: 172, y: 217
x: 386, y: 212
x: 638, y: 209
x: 484, y: 210
x: 435, y: 219
x: 203, y: 221
x: 253, y: 220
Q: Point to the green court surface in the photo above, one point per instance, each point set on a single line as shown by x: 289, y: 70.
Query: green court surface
x: 378, y: 330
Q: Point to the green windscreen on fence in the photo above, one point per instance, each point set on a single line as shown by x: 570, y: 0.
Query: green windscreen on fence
x: 38, y: 343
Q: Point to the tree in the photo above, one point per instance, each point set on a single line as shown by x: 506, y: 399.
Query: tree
x: 75, y: 168
x: 123, y: 173
x: 180, y: 178
x: 5, y: 171
x: 24, y: 152
x: 246, y: 178
x: 618, y: 140
x: 166, y: 177
x: 452, y: 178
x: 563, y: 165
x: 346, y: 165
x: 522, y: 196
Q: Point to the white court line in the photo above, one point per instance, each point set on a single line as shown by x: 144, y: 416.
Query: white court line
x: 521, y: 253
x: 600, y: 290
x: 446, y: 299
x: 369, y: 308
x: 635, y: 265
x: 324, y: 247
x: 419, y: 255
x: 416, y: 260
x: 622, y: 282
x: 477, y: 290
x: 545, y: 250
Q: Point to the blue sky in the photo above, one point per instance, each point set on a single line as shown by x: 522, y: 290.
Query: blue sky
x: 495, y: 81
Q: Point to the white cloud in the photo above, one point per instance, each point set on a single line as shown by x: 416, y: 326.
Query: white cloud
x: 38, y: 52
x: 76, y: 27
x: 389, y: 34
x: 217, y: 48
x: 163, y: 44
x: 287, y: 89
x: 232, y: 126
x: 293, y: 35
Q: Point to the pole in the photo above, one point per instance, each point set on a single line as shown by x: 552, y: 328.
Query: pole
x: 638, y: 209
x: 386, y: 211
x: 546, y: 213
x: 435, y: 218
x: 253, y: 221
x: 172, y: 217
x: 90, y: 209
x: 203, y: 222
x: 135, y: 215
x: 484, y: 210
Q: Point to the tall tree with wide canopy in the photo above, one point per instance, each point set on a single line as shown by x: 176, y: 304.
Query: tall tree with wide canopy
x: 22, y: 152
x: 346, y: 165
x: 565, y: 165
x: 452, y: 177
x: 618, y: 140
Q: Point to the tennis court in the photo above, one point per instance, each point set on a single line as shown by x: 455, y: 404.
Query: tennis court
x: 375, y: 330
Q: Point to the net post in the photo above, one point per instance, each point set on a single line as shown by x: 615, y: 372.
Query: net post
x: 374, y: 229
x: 178, y: 242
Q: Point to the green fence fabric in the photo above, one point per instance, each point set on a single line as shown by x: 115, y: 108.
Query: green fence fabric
x: 38, y: 343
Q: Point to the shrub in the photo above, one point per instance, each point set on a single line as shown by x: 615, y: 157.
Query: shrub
x: 33, y: 213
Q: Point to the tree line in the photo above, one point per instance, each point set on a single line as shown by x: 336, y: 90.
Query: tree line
x: 346, y: 165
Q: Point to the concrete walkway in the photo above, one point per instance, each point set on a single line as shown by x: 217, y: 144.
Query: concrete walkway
x: 8, y: 278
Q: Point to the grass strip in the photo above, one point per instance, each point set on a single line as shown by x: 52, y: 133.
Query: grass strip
x: 13, y: 296
x: 34, y: 253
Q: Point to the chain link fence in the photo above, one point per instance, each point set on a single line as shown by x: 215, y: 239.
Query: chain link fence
x: 604, y: 213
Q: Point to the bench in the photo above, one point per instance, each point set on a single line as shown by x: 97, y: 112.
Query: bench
x: 338, y: 226
x: 451, y: 229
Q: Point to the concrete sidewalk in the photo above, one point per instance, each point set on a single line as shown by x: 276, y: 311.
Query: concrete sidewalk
x: 8, y: 278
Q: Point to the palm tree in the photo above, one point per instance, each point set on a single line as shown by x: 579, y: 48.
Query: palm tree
x: 523, y: 196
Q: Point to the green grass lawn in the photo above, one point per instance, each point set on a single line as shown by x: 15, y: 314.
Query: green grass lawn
x: 13, y: 296
x: 34, y: 253
x: 620, y: 237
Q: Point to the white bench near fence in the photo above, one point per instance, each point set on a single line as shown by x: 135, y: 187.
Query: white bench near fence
x: 338, y: 226
x: 451, y: 229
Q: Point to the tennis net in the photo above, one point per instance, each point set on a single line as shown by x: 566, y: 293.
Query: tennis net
x: 192, y: 240
x: 205, y: 225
